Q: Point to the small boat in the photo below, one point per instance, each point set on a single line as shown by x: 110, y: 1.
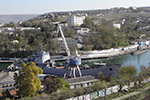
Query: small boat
x: 138, y: 52
x: 100, y: 64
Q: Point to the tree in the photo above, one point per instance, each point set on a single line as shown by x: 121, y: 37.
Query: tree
x: 144, y: 73
x: 27, y: 80
x: 99, y: 85
x: 101, y: 76
x: 69, y: 32
x: 88, y: 23
x: 52, y: 85
x: 126, y: 74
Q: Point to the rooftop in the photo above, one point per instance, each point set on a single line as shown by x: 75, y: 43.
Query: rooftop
x: 6, y: 78
x: 80, y: 80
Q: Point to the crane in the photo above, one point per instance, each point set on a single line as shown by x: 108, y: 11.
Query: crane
x: 64, y: 40
x: 74, y: 61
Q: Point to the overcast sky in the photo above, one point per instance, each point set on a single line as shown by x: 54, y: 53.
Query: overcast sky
x: 44, y: 6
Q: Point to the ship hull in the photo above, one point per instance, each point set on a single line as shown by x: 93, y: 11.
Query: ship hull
x: 108, y: 70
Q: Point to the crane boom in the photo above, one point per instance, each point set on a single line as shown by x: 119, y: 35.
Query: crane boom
x: 64, y: 40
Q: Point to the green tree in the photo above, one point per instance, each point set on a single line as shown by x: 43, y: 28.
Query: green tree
x: 99, y: 85
x: 69, y: 32
x: 88, y: 23
x: 126, y: 74
x: 144, y: 73
x: 27, y: 80
x: 52, y: 85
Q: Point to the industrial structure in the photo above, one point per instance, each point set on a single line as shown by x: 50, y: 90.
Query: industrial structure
x: 74, y: 61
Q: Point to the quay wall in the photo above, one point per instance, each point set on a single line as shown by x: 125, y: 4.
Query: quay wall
x: 110, y: 52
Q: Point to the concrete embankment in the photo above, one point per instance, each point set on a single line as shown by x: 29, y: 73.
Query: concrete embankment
x: 105, y: 53
x: 111, y: 54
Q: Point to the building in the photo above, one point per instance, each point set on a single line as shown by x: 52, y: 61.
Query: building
x: 7, y: 81
x: 117, y: 26
x: 81, y: 81
x: 75, y: 20
x: 70, y: 42
x: 63, y: 24
x: 81, y: 31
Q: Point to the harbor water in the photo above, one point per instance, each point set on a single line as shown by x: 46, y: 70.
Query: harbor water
x: 125, y: 60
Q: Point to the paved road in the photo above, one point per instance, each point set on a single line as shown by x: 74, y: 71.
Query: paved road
x: 131, y: 94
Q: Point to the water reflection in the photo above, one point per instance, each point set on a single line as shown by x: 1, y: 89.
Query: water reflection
x: 135, y: 60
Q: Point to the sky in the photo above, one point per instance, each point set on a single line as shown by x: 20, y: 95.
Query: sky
x: 45, y: 6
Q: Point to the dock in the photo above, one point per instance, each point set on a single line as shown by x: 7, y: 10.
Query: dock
x: 104, y: 55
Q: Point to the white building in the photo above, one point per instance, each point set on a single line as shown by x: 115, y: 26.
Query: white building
x: 75, y: 20
x: 117, y: 26
x: 70, y: 42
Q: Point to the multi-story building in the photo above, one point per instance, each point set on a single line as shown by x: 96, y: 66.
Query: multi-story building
x: 75, y: 20
x: 7, y: 81
x: 71, y: 42
x: 81, y: 31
